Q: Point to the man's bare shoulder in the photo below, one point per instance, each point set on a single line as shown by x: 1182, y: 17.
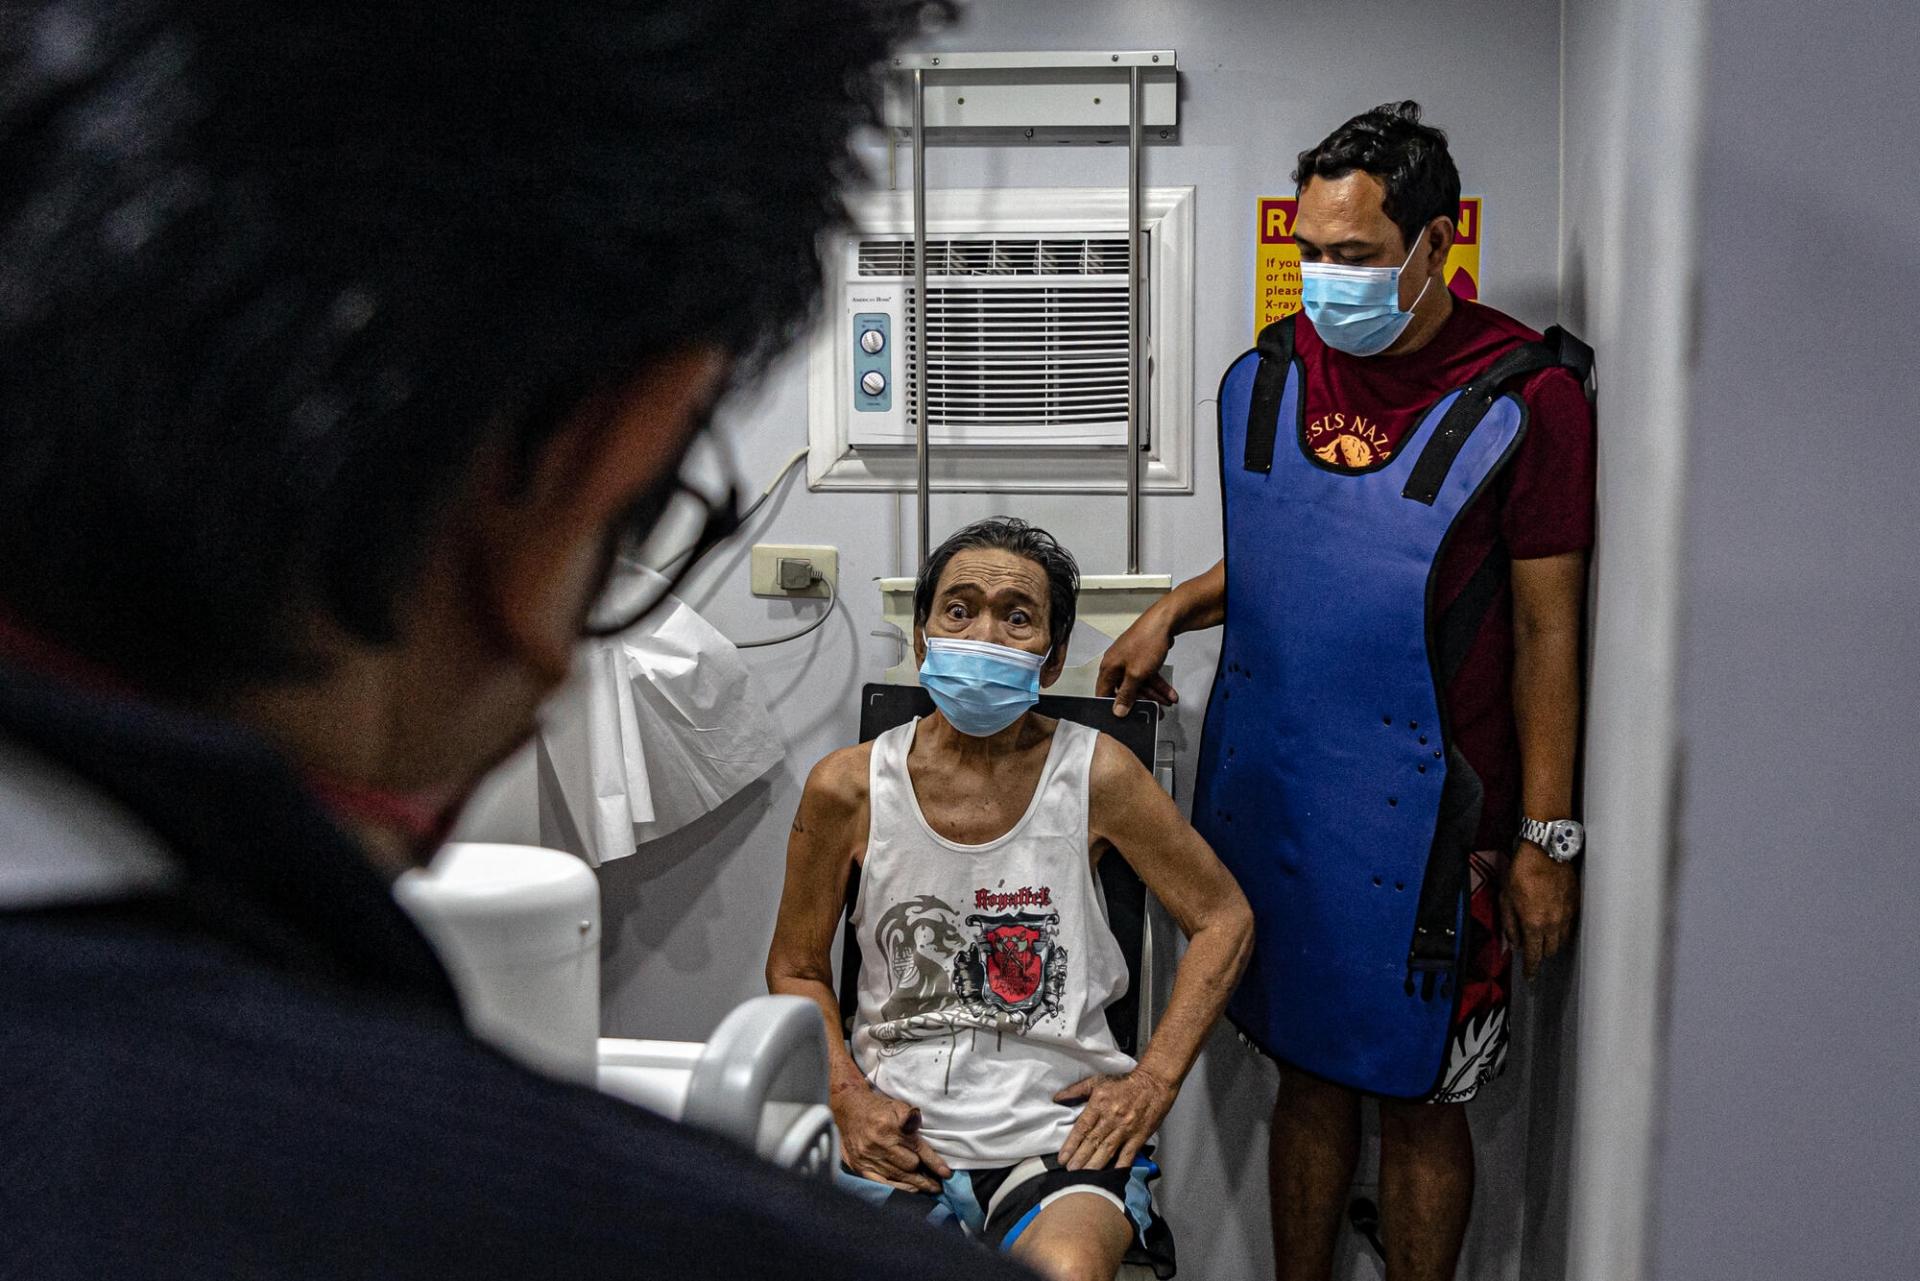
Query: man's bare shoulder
x: 1117, y: 778
x: 839, y: 782
x: 1114, y: 763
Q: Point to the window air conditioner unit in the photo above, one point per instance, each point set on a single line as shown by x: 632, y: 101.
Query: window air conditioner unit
x: 1026, y: 340
x: 1027, y: 346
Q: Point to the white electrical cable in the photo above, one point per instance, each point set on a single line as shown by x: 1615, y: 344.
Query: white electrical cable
x: 752, y: 509
x: 833, y: 599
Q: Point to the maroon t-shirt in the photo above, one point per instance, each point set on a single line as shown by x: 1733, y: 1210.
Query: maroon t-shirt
x: 1360, y: 410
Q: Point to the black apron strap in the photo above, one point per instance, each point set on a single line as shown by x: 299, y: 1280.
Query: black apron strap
x: 1460, y: 621
x: 1275, y: 346
x: 1571, y: 355
x: 1556, y: 349
x: 1436, y: 944
x: 1469, y: 407
x: 1436, y: 940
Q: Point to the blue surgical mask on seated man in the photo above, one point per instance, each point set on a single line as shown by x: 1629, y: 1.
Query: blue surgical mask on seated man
x: 981, y: 688
x: 1357, y: 309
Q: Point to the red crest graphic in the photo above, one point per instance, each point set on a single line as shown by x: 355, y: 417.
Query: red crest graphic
x: 1013, y: 962
x: 1014, y: 965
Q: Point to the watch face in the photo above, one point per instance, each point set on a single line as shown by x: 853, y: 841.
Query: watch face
x: 1564, y: 841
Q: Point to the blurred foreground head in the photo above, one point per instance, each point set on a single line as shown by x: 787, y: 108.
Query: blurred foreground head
x: 292, y: 294
x: 343, y: 343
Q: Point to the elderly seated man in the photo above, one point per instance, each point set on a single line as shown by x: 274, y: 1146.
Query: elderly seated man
x: 983, y: 1085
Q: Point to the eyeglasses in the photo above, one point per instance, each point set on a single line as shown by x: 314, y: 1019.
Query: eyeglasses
x: 638, y: 582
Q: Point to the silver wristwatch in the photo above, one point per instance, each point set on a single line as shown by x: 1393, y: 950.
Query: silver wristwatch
x: 1562, y: 839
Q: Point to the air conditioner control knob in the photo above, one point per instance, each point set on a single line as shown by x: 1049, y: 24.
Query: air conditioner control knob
x: 871, y: 341
x: 873, y: 382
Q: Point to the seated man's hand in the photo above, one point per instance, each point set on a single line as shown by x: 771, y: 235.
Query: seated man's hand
x: 1121, y: 1115
x: 880, y: 1140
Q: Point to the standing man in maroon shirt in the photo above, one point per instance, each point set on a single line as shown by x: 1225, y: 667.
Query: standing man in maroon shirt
x: 1383, y: 192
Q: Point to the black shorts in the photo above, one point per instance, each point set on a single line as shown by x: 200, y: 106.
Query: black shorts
x: 994, y: 1206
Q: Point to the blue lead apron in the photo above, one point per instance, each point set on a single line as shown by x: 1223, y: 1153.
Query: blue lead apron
x: 1328, y: 782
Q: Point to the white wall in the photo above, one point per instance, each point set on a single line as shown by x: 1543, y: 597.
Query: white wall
x: 1792, y: 1114
x: 1631, y: 83
x: 689, y: 917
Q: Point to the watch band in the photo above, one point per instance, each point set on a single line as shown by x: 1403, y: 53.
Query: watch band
x: 1561, y: 840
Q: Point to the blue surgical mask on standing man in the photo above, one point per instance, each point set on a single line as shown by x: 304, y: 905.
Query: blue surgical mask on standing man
x: 1357, y: 309
x: 981, y: 688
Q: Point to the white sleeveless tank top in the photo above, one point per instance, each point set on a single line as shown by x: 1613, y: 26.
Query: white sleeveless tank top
x: 985, y: 970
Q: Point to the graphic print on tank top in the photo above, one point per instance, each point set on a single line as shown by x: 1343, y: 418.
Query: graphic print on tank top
x: 1001, y: 969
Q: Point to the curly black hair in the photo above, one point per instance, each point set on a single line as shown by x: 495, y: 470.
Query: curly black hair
x: 1408, y: 156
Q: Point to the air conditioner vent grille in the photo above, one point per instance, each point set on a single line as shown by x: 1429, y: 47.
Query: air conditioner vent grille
x: 1047, y: 357
x: 1004, y: 256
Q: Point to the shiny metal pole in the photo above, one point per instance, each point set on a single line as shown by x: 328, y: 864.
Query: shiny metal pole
x: 922, y: 459
x: 1133, y: 320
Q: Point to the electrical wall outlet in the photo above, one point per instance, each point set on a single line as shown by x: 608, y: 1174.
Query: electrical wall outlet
x: 774, y: 564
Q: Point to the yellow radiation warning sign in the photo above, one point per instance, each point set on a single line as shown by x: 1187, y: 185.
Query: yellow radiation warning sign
x: 1276, y: 286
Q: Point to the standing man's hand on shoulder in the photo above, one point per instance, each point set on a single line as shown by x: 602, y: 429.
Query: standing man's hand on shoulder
x: 1131, y: 666
x: 1541, y: 900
